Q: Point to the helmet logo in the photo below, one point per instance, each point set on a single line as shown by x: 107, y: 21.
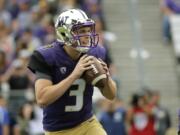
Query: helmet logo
x: 62, y: 21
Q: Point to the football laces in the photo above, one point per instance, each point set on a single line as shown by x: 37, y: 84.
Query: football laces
x: 94, y: 69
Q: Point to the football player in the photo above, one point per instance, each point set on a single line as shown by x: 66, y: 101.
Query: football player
x: 66, y: 98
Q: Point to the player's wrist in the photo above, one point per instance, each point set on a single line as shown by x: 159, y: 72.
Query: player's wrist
x: 108, y: 78
x: 72, y: 77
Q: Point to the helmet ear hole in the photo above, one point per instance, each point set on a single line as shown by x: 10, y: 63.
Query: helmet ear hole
x: 63, y: 34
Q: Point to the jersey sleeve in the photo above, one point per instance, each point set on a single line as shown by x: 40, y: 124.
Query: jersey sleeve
x: 37, y: 63
x: 98, y: 52
x: 108, y: 58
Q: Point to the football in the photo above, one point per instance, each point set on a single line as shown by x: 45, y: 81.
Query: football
x: 97, y: 75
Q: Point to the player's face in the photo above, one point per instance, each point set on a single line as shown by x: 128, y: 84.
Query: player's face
x: 85, y: 38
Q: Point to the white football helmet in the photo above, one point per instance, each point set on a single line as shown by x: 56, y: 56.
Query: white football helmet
x: 70, y: 21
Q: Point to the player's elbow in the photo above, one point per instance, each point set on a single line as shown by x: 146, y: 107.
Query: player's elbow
x: 109, y: 93
x: 111, y: 96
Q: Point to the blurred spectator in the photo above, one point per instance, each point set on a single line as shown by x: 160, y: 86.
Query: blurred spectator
x: 162, y: 123
x: 140, y: 116
x: 172, y: 131
x: 19, y: 78
x: 31, y: 41
x: 35, y: 18
x: 37, y: 29
x: 43, y: 7
x: 20, y: 45
x: 25, y: 115
x: 94, y: 9
x: 24, y: 16
x: 169, y: 7
x: 3, y: 63
x: 17, y: 75
x: 80, y: 2
x: 43, y: 28
x: 4, y: 14
x: 35, y: 124
x: 30, y: 119
x: 3, y: 68
x: 14, y: 127
x: 13, y: 8
x: 66, y: 4
x: 4, y: 117
x: 47, y: 32
x: 7, y: 43
x: 113, y: 119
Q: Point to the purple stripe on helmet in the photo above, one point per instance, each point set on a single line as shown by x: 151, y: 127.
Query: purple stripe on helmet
x: 89, y: 23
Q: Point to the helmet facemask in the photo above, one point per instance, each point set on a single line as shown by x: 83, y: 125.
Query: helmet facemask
x: 84, y: 36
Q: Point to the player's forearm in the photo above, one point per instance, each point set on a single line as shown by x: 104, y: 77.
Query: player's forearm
x: 109, y: 91
x: 51, y: 93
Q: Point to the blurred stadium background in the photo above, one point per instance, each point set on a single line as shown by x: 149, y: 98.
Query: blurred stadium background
x: 139, y: 57
x: 158, y: 68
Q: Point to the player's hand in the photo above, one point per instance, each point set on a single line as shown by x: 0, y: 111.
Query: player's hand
x: 83, y: 64
x: 104, y: 66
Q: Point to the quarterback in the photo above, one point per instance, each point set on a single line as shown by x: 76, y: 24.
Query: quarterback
x: 66, y: 98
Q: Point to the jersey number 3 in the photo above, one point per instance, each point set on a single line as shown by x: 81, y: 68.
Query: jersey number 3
x: 78, y: 93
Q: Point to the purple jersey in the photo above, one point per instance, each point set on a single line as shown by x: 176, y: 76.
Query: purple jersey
x: 75, y: 106
x: 174, y: 5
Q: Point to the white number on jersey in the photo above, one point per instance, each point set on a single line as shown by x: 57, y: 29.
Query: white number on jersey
x: 79, y: 92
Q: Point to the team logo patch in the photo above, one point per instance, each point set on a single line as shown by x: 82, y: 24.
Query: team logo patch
x: 47, y: 46
x: 63, y: 70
